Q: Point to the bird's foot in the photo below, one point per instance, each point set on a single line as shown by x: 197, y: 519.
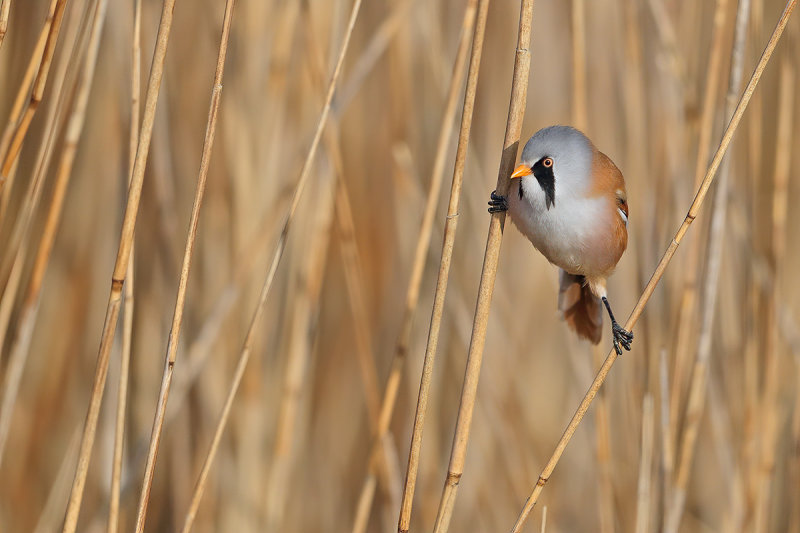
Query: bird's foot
x: 497, y: 203
x: 622, y: 337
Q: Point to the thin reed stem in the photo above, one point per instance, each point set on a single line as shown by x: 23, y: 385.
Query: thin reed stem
x: 127, y: 324
x: 662, y: 265
x: 451, y: 225
x: 120, y: 267
x: 516, y: 112
x: 180, y: 300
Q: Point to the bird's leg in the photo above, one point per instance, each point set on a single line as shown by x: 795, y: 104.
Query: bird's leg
x: 621, y: 336
x: 497, y: 203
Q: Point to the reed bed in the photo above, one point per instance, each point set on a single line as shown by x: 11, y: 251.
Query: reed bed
x: 329, y: 311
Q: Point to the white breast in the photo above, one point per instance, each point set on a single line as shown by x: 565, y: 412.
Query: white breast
x: 567, y: 233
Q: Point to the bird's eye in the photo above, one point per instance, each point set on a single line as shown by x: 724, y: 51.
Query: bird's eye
x: 547, y: 162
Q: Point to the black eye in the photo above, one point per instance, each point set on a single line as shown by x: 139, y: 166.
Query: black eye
x: 547, y: 162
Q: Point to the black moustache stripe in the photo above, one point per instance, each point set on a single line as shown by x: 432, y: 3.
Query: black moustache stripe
x: 547, y: 181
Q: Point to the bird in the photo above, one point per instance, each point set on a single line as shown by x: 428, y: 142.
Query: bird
x: 568, y: 198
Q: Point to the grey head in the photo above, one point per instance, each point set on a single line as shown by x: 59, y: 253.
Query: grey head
x: 560, y: 159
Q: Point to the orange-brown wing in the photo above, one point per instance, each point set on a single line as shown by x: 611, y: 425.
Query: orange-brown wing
x: 608, y: 180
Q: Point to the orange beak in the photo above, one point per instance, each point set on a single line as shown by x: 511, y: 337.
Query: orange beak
x: 522, y: 170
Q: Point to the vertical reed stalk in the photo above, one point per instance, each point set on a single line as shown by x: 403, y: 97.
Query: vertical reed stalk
x: 516, y: 111
x: 180, y: 300
x: 662, y: 265
x: 697, y: 391
x: 418, y: 266
x: 451, y: 225
x: 770, y: 406
x: 127, y: 325
x: 120, y: 267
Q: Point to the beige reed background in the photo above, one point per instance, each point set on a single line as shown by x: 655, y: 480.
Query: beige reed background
x: 313, y: 441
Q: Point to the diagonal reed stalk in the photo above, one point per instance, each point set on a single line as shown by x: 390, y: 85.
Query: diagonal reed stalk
x: 516, y: 111
x: 127, y: 317
x: 120, y: 267
x: 451, y: 225
x: 418, y: 266
x: 180, y: 300
x: 39, y: 84
x: 697, y: 390
x: 247, y: 346
x: 662, y: 265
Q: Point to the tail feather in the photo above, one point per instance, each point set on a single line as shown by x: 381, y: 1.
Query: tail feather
x: 582, y: 310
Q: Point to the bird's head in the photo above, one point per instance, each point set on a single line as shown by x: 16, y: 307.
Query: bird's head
x: 555, y: 162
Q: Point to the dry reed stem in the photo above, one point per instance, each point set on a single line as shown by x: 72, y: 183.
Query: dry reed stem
x: 127, y: 325
x: 418, y: 266
x: 120, y: 267
x: 19, y: 102
x: 65, y: 73
x: 688, y: 305
x: 516, y: 111
x: 39, y: 83
x: 662, y: 265
x: 645, y: 484
x: 5, y: 6
x: 697, y: 392
x: 770, y: 407
x: 180, y: 300
x: 451, y: 225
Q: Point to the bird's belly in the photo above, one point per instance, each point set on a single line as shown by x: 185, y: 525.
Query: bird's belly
x: 574, y: 235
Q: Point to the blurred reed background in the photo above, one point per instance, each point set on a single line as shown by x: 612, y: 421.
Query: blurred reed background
x: 296, y: 450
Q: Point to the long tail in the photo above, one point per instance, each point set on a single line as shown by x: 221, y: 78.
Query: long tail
x: 582, y: 310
